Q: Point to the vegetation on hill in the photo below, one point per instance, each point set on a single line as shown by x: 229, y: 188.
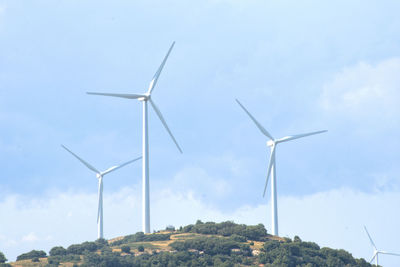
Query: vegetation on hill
x: 252, y: 232
x: 3, y: 259
x: 32, y: 255
x: 199, y: 244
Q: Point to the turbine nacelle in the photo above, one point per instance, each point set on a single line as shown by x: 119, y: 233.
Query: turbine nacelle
x: 271, y: 143
x: 144, y: 97
x: 99, y: 176
x: 147, y: 97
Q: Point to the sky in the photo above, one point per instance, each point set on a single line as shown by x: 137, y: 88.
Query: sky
x: 298, y: 66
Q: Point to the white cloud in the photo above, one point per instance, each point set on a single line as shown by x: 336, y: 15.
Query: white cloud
x: 334, y: 218
x: 365, y: 92
x: 31, y: 237
x: 198, y: 178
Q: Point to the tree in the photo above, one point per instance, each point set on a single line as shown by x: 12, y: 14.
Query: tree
x: 58, y: 251
x: 140, y: 248
x: 32, y: 254
x: 125, y: 249
x: 170, y: 228
x: 297, y: 239
x: 3, y: 258
x: 101, y: 242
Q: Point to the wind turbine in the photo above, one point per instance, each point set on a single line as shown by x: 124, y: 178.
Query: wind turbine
x: 144, y: 98
x: 376, y: 251
x: 99, y: 176
x: 272, y: 167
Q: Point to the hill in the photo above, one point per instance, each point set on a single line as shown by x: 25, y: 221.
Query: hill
x: 200, y: 244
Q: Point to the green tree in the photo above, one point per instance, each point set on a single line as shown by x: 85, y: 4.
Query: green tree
x: 58, y: 251
x: 125, y: 249
x: 32, y: 254
x: 296, y: 239
x: 3, y: 258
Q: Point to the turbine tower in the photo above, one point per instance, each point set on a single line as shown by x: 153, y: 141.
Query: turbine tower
x: 144, y: 98
x: 272, y: 143
x: 376, y: 251
x: 99, y: 176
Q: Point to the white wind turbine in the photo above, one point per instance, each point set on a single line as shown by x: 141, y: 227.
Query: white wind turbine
x: 99, y: 176
x: 144, y: 98
x: 376, y: 251
x: 272, y: 167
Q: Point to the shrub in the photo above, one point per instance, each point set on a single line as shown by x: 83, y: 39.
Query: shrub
x: 140, y: 248
x: 170, y: 228
x: 141, y: 237
x: 125, y: 249
x: 53, y: 261
x: 211, y: 245
x: 63, y: 258
x: 238, y: 238
x: 101, y: 242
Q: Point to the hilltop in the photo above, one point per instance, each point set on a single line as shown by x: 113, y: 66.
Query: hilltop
x: 199, y: 244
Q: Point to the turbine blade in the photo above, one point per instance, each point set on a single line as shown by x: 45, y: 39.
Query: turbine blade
x: 129, y: 96
x: 292, y: 137
x: 119, y: 166
x: 81, y: 160
x: 158, y: 72
x: 100, y: 203
x: 389, y: 253
x: 262, y: 129
x: 271, y: 163
x: 370, y: 239
x: 160, y: 116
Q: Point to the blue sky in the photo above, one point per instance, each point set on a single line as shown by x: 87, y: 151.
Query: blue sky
x: 298, y: 66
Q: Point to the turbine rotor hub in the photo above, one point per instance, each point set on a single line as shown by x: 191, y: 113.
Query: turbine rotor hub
x: 144, y: 98
x: 271, y: 143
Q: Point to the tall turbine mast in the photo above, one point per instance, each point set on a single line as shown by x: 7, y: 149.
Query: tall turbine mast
x: 272, y: 143
x: 144, y: 98
x: 99, y: 176
x: 376, y: 251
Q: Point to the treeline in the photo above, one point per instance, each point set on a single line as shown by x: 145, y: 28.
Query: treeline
x: 308, y: 254
x: 212, y: 246
x: 209, y: 244
x: 141, y: 237
x: 250, y: 232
